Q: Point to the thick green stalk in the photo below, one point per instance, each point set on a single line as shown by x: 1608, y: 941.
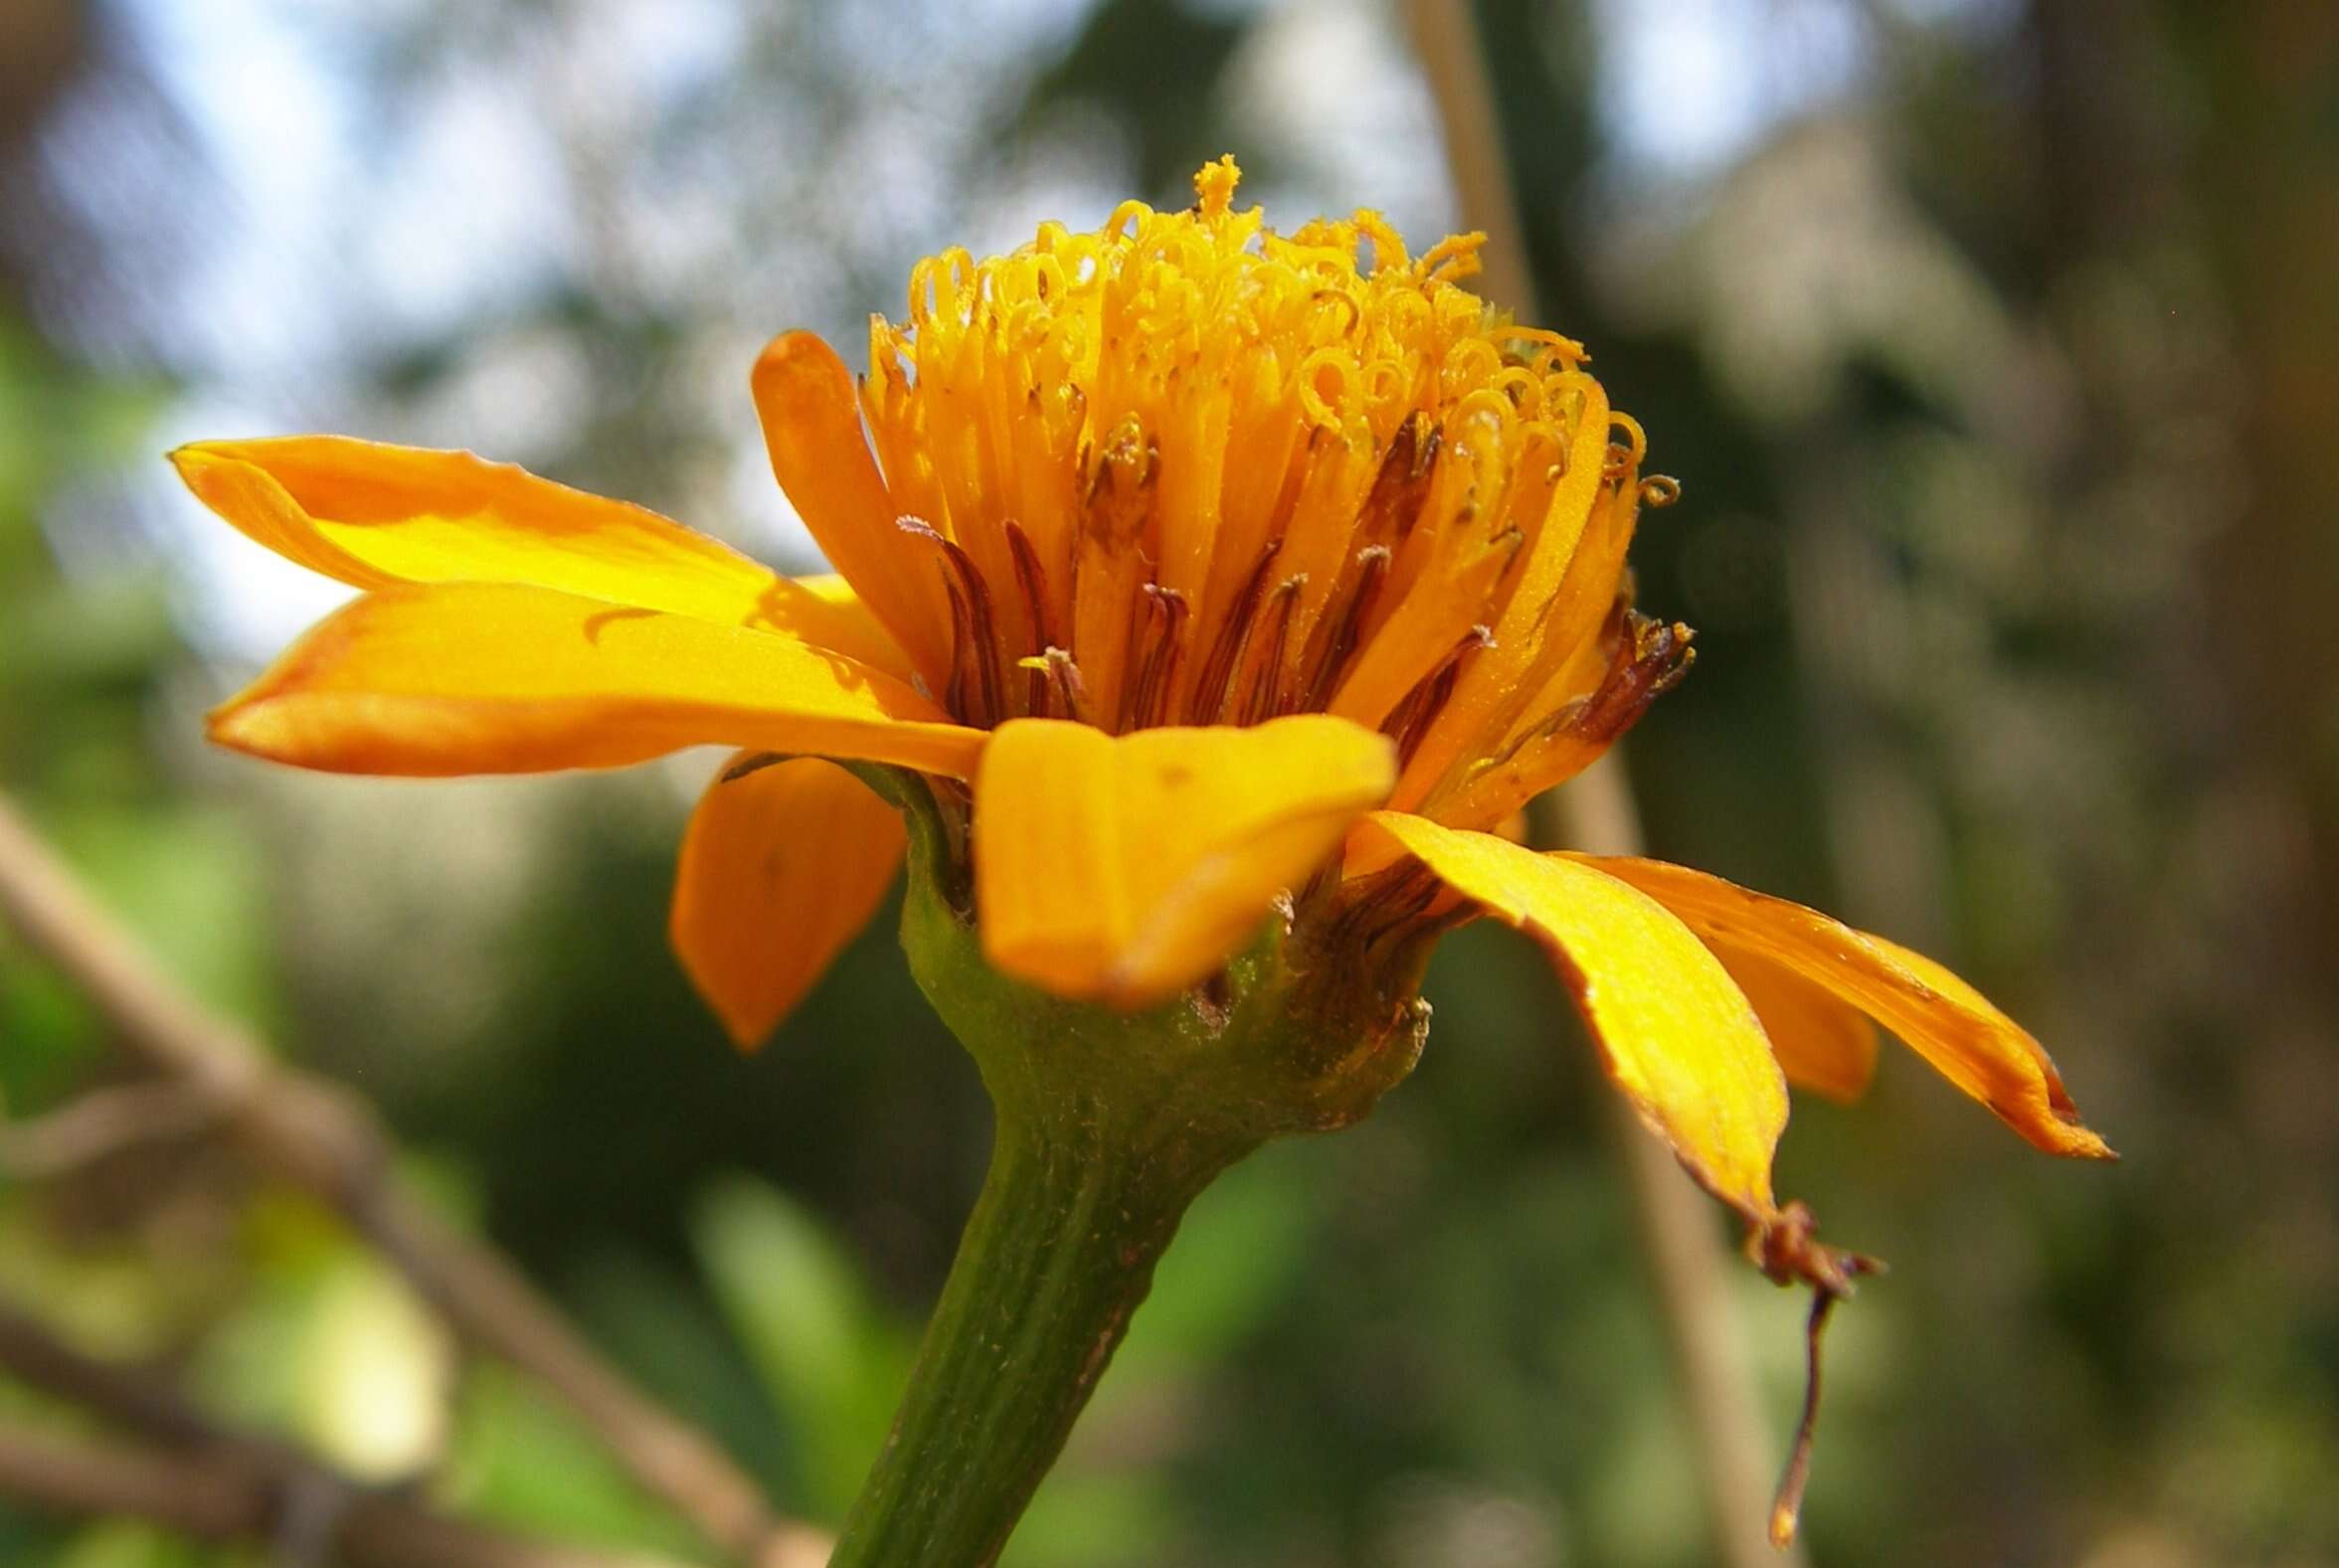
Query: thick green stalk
x: 1059, y: 1252
x: 1108, y: 1127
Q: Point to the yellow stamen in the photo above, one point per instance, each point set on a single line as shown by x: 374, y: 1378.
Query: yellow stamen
x: 1227, y: 472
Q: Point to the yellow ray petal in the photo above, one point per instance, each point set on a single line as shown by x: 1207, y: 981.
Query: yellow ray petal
x: 1124, y: 869
x: 371, y: 515
x: 1673, y: 1029
x: 812, y: 422
x: 1947, y: 1021
x: 473, y: 677
x: 1824, y: 1044
x: 781, y: 868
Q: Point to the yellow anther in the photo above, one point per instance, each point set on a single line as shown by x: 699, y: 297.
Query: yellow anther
x: 1636, y: 440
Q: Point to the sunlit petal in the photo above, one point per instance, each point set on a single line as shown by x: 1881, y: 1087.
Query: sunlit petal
x: 1126, y: 868
x: 1674, y: 1032
x: 1946, y: 1020
x: 470, y: 678
x: 371, y: 515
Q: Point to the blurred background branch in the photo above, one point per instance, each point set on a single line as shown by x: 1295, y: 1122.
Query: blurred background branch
x: 319, y: 1139
x: 197, y: 1476
x: 100, y: 1125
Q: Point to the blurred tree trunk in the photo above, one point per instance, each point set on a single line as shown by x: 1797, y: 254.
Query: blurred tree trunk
x: 2184, y: 137
x: 2270, y: 76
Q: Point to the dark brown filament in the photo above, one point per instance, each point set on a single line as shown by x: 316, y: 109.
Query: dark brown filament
x: 1402, y: 486
x: 1209, y: 693
x: 978, y: 627
x: 1149, y: 694
x: 1336, y: 635
x: 1419, y: 708
x: 1031, y: 578
x: 1267, y: 669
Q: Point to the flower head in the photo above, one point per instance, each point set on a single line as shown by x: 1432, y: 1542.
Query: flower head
x: 1196, y: 573
x: 1187, y: 471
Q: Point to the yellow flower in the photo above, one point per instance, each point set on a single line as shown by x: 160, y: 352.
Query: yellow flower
x: 1203, y: 571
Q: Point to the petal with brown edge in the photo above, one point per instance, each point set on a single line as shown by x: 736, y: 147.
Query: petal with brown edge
x: 491, y: 678
x: 1673, y: 1029
x: 1943, y: 1018
x: 1123, y: 869
x: 781, y: 867
x: 371, y: 515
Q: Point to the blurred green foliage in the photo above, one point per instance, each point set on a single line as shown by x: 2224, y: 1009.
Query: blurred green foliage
x: 2004, y: 433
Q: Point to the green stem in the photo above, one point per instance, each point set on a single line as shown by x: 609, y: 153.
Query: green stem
x: 1059, y: 1252
x: 1109, y: 1125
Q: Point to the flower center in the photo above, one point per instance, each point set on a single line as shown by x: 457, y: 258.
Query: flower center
x: 1187, y: 470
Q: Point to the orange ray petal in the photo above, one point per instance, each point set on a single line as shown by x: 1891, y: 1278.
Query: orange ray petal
x: 812, y: 422
x: 1422, y: 630
x: 1643, y: 661
x: 1673, y: 1029
x: 1547, y: 585
x: 1824, y: 1044
x: 781, y: 868
x: 1124, y: 869
x: 371, y: 515
x: 475, y: 677
x: 1947, y: 1021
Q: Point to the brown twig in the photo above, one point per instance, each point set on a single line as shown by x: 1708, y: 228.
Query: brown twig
x: 320, y: 1139
x: 209, y: 1481
x: 1595, y: 811
x: 100, y: 1123
x: 150, y: 1407
x: 81, y: 1479
x: 212, y: 1498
